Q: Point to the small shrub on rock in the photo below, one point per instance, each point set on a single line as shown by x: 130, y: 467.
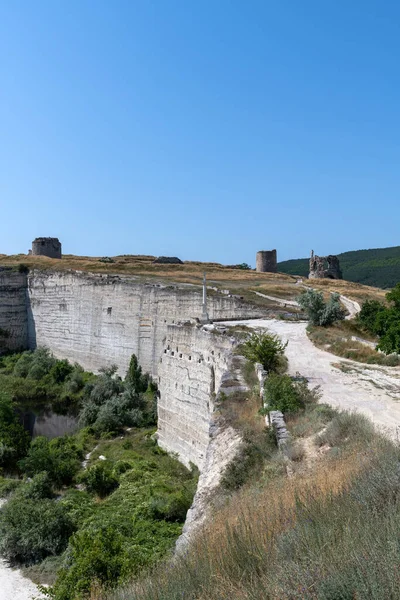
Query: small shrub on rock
x: 264, y: 348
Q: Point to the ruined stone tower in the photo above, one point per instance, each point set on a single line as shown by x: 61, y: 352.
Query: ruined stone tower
x: 266, y: 261
x: 46, y: 246
x: 324, y: 267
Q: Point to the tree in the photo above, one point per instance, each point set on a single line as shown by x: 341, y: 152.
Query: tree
x: 394, y: 297
x: 264, y: 348
x: 134, y: 376
x: 369, y: 314
x: 318, y: 311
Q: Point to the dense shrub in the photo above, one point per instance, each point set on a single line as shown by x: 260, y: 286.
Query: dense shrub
x: 383, y: 321
x: 95, y: 554
x: 318, y: 311
x: 38, y: 488
x: 32, y: 528
x: 281, y: 394
x: 100, y: 479
x: 59, y: 457
x: 264, y: 348
x: 367, y: 317
x: 171, y: 507
x: 110, y: 404
x: 14, y: 440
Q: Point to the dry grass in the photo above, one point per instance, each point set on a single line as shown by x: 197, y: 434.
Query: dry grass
x: 236, y: 280
x: 337, y: 339
x: 237, y: 553
x: 355, y: 291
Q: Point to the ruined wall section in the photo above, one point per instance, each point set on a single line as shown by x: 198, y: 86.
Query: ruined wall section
x: 194, y: 367
x: 13, y: 310
x: 99, y: 320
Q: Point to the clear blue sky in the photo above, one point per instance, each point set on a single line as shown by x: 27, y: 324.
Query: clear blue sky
x: 205, y: 129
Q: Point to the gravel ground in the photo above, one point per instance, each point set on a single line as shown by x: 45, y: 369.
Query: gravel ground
x: 371, y: 390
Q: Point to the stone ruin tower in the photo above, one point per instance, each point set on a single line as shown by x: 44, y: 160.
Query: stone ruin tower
x: 46, y: 246
x: 266, y: 261
x: 324, y: 267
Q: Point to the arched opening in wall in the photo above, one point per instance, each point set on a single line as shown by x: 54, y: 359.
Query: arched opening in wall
x: 212, y: 383
x: 109, y: 310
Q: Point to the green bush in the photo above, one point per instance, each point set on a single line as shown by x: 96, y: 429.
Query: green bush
x: 368, y: 315
x: 32, y: 528
x: 264, y: 348
x: 110, y: 404
x: 171, y: 507
x: 94, y: 555
x: 7, y: 486
x: 100, y: 479
x: 60, y: 457
x: 318, y: 311
x: 281, y: 394
x: 14, y: 440
x: 384, y: 321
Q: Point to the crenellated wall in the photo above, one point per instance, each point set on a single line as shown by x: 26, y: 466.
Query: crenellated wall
x: 195, y: 365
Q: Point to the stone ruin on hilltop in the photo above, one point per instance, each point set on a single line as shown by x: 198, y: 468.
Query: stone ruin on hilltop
x: 46, y: 246
x: 324, y: 267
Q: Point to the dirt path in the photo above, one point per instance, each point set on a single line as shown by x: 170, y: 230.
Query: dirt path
x: 374, y: 391
x: 13, y: 585
x: 352, y: 306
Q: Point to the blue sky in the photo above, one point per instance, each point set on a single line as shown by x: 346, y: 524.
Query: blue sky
x: 203, y: 129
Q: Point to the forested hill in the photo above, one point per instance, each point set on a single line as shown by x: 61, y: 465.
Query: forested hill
x: 379, y: 267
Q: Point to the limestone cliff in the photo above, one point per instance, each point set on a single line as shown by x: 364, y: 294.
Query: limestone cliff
x: 13, y: 310
x: 98, y: 320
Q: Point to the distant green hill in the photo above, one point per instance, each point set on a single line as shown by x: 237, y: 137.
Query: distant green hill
x: 379, y: 267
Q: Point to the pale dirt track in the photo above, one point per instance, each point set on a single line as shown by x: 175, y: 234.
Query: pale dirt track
x: 371, y: 390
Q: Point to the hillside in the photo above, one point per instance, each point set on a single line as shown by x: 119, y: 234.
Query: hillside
x: 379, y: 267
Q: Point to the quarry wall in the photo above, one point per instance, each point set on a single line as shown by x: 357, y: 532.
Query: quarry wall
x: 195, y: 366
x: 99, y: 320
x: 13, y: 310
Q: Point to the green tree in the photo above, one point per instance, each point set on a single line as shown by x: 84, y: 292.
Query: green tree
x: 318, y: 311
x: 264, y: 348
x: 369, y: 314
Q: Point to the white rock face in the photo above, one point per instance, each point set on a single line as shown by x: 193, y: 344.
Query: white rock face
x: 193, y: 365
x: 13, y: 310
x: 99, y: 320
